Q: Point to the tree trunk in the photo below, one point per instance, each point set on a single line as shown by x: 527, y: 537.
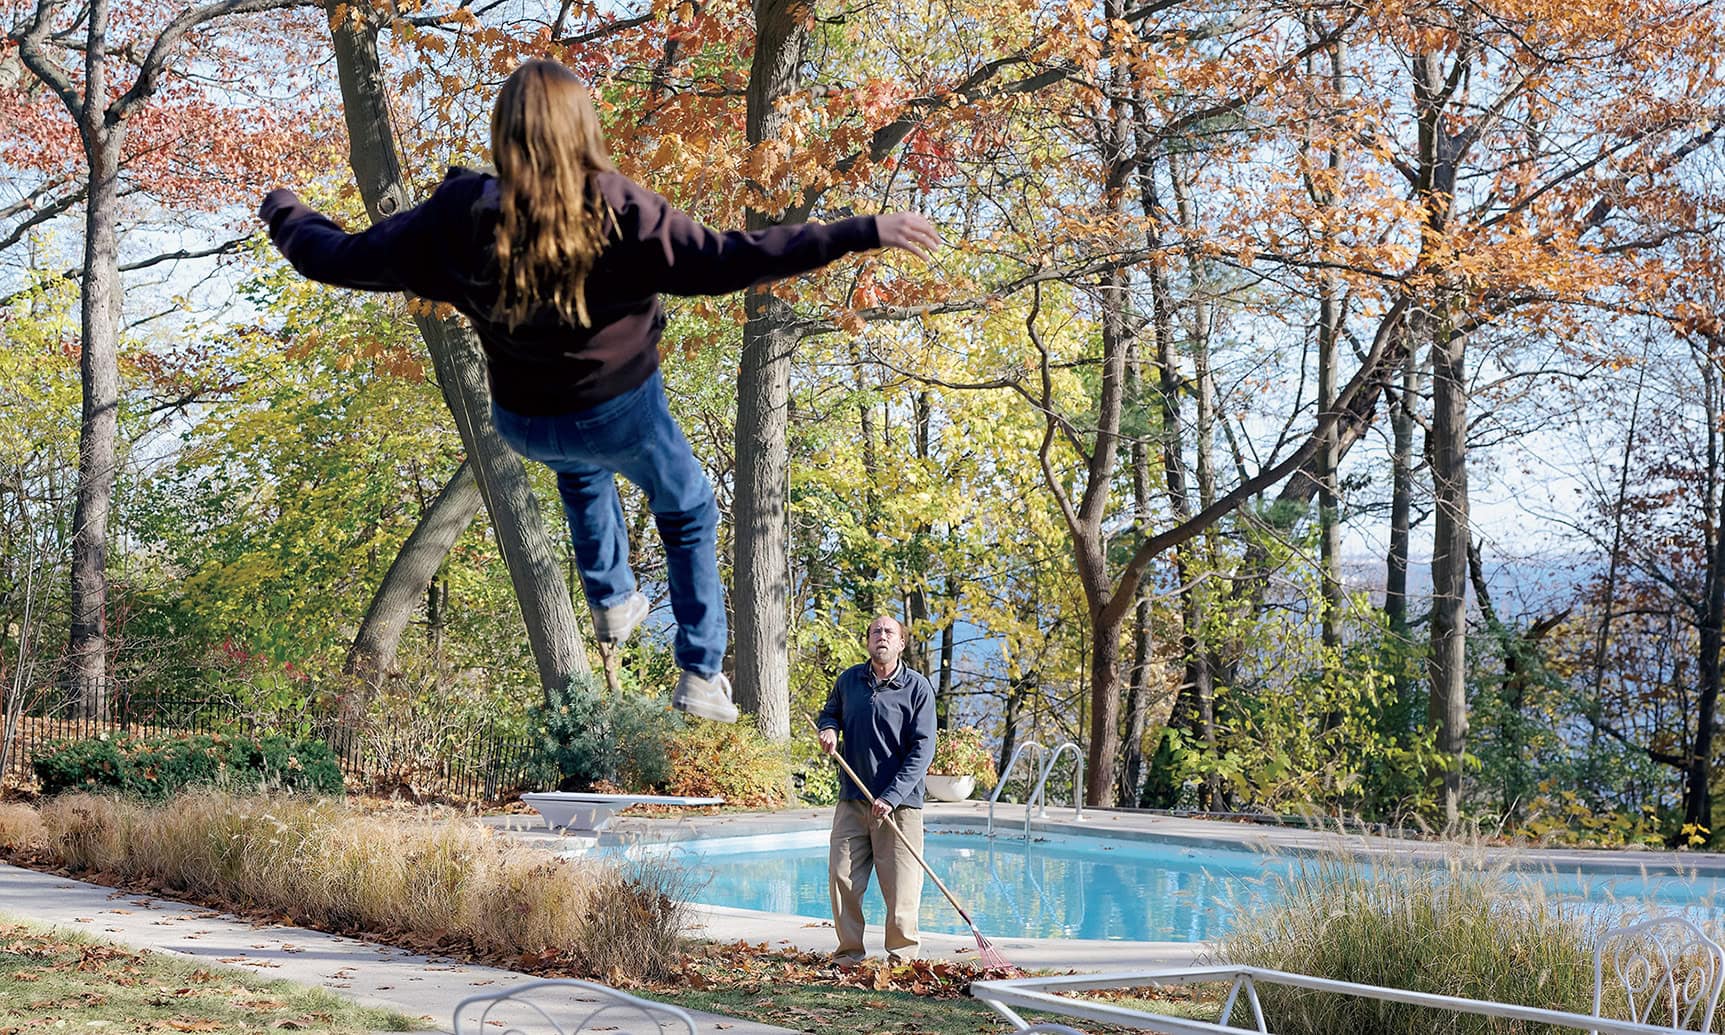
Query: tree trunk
x: 1401, y: 495
x: 943, y: 687
x: 1117, y: 142
x: 1194, y: 700
x: 1330, y: 316
x: 1440, y: 156
x: 760, y: 520
x: 1015, y: 692
x: 1137, y: 703
x: 1447, y: 709
x: 373, y: 652
x: 98, y: 367
x: 1698, y: 778
x: 1138, y: 684
x: 918, y: 566
x: 869, y: 574
x: 1104, y: 711
x: 521, y: 534
x: 1329, y: 496
x: 98, y: 364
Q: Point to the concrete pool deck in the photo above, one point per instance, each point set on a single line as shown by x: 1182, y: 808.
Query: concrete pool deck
x: 729, y: 924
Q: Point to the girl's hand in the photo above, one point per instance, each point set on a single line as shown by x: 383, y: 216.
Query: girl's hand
x: 908, y: 230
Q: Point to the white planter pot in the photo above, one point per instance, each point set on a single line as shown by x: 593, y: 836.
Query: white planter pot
x: 949, y: 788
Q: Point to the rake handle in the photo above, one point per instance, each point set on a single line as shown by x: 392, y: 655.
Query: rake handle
x: 902, y: 839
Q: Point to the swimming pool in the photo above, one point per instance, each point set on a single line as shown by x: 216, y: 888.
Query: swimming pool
x: 1060, y: 885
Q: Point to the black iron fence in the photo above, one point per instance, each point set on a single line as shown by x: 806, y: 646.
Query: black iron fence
x: 446, y: 760
x: 477, y: 762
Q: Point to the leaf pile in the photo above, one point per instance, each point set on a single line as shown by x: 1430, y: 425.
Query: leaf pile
x: 756, y: 966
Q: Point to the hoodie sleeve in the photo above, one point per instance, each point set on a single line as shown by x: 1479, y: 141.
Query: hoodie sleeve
x: 400, y: 253
x: 677, y: 255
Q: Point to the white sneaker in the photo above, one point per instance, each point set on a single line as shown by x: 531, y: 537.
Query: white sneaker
x: 614, y: 624
x: 706, y: 696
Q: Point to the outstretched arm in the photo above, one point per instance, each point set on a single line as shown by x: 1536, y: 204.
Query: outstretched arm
x: 680, y: 256
x: 323, y: 251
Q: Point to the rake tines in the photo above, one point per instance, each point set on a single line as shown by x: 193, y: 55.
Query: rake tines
x: 988, y: 955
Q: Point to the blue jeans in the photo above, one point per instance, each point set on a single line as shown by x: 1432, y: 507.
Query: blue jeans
x: 634, y: 435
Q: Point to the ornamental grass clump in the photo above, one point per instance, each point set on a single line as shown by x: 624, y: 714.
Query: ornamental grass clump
x: 1460, y: 929
x: 329, y: 865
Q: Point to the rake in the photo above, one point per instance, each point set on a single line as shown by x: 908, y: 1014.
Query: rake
x: 986, y: 953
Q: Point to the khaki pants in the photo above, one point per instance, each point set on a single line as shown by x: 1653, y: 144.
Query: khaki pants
x: 859, y: 844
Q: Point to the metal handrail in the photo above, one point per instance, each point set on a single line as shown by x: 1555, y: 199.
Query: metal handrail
x: 1038, y: 796
x: 1077, y: 784
x: 1000, y: 785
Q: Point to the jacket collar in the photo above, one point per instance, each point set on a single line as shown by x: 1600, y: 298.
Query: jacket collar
x: 893, y: 681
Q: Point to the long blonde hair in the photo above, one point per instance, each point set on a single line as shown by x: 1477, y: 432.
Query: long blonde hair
x: 546, y: 146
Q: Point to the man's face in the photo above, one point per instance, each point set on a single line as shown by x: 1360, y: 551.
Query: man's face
x: 885, y: 642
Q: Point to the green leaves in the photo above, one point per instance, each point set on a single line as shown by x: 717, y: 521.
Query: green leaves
x: 154, y: 768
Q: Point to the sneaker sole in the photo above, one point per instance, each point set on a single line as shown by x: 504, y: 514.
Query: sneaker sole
x: 712, y: 713
x: 629, y: 626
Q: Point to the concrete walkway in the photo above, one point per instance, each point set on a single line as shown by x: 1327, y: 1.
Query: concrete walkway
x: 372, y: 974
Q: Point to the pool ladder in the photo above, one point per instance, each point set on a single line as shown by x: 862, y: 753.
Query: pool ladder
x: 1037, y: 796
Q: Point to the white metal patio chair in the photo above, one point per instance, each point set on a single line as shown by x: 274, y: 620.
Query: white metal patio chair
x: 563, y: 1007
x: 1666, y: 965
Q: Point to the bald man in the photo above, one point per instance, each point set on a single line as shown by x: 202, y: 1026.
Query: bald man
x: 883, y: 715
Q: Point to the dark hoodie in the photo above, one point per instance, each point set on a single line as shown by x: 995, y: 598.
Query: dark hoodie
x: 444, y: 250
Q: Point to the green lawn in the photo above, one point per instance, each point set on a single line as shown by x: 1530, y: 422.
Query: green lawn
x: 64, y: 981
x: 797, y: 991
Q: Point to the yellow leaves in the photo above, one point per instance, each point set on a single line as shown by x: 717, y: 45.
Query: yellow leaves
x: 349, y: 16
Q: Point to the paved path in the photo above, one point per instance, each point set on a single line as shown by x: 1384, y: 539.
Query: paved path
x: 376, y: 975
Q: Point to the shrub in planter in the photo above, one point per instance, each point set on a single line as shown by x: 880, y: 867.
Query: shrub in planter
x: 960, y: 752
x: 156, y: 767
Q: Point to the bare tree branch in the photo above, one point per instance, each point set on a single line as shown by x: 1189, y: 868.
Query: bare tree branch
x: 608, y: 29
x: 1662, y: 757
x: 220, y: 249
x: 40, y: 216
x: 155, y: 260
x: 162, y: 49
x: 1388, y: 342
x: 30, y: 50
x: 29, y: 200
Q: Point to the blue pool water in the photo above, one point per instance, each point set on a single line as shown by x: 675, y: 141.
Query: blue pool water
x: 1075, y: 886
